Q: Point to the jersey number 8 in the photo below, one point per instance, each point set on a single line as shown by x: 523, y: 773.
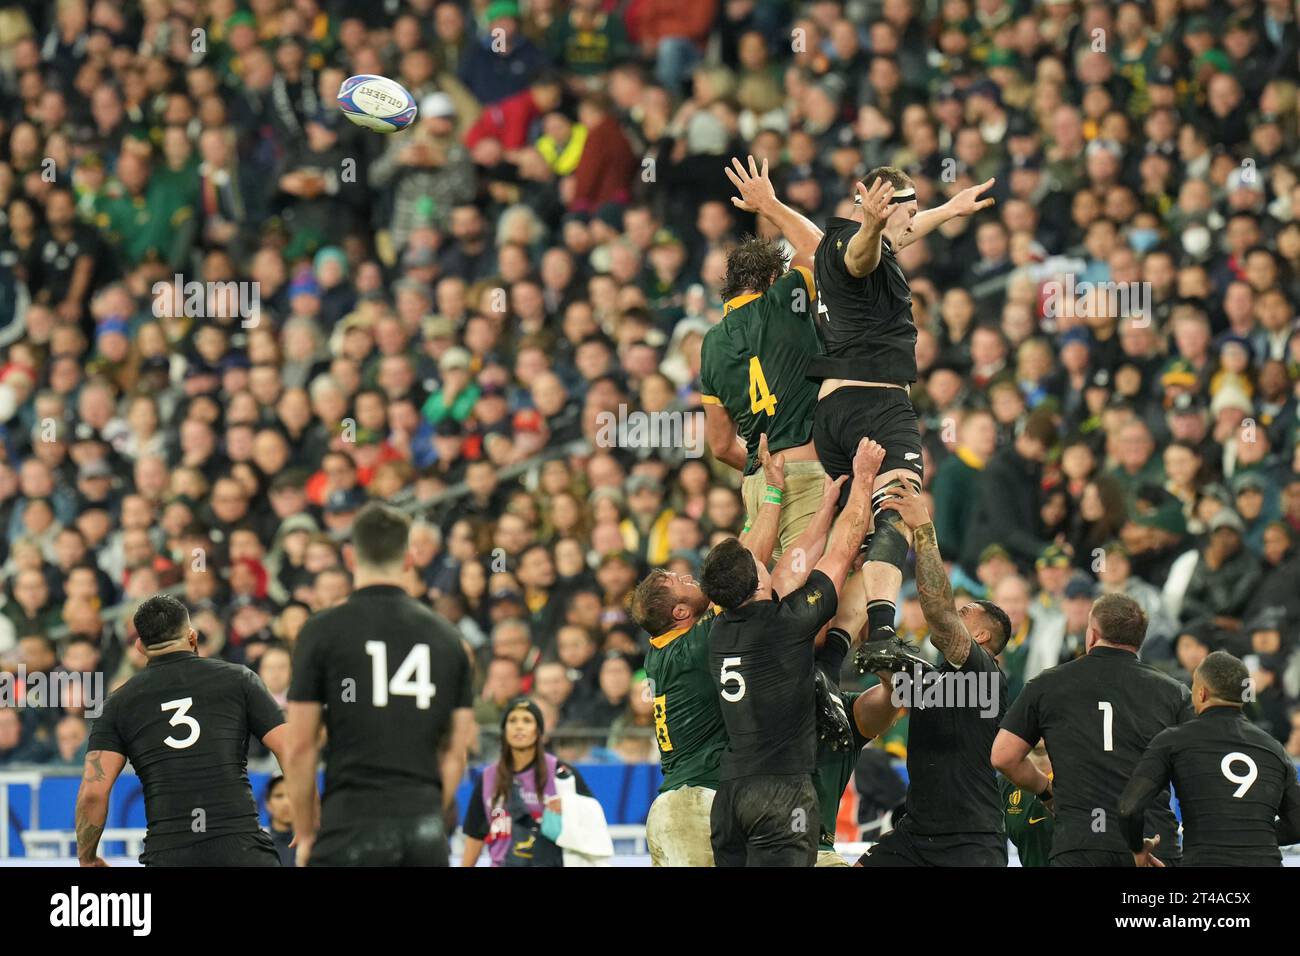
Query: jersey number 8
x: 411, y: 679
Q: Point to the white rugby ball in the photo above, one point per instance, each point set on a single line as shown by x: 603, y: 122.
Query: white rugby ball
x: 377, y: 103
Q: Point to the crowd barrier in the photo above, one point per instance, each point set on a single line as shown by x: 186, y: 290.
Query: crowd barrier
x: 33, y: 801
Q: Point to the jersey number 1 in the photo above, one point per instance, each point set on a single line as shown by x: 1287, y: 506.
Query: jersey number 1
x: 411, y: 679
x: 761, y: 398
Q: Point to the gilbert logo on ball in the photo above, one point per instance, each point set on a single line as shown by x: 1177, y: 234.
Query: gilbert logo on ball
x: 377, y: 103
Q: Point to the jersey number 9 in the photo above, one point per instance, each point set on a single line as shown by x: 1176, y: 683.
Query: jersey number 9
x: 411, y: 679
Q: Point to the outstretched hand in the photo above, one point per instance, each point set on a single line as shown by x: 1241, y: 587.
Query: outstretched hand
x: 967, y: 202
x: 756, y: 190
x: 910, y: 506
x: 875, y: 202
x: 867, y: 462
x: 773, y: 465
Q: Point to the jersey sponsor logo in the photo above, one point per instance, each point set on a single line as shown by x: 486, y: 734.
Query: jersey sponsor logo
x: 814, y: 597
x: 1033, y: 820
x: 911, y: 456
x: 1014, y: 799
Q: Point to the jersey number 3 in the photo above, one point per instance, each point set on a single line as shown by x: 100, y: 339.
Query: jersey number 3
x: 411, y: 679
x: 761, y: 398
x: 182, y: 718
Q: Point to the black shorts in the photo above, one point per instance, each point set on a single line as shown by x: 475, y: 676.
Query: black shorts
x: 885, y: 415
x: 231, y: 849
x: 1092, y: 858
x: 768, y: 820
x: 901, y: 847
x: 390, y: 841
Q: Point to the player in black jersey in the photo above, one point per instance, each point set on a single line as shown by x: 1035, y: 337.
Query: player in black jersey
x: 868, y: 360
x: 184, y: 723
x: 765, y: 812
x: 1236, y: 785
x: 1097, y: 715
x: 953, y: 813
x: 390, y: 681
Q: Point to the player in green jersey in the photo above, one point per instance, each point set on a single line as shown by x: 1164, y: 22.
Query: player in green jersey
x: 1029, y: 824
x: 687, y: 714
x: 753, y: 364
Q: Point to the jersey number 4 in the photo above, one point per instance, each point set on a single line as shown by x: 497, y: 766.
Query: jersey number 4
x: 411, y: 679
x: 761, y: 398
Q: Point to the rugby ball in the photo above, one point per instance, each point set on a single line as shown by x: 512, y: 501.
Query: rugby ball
x: 377, y: 103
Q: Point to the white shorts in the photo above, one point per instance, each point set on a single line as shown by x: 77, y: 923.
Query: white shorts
x: 677, y: 828
x: 829, y: 858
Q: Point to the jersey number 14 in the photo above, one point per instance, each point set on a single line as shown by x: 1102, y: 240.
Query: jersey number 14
x: 411, y: 679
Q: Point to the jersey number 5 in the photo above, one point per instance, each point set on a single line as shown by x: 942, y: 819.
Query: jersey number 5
x: 761, y: 398
x: 732, y: 677
x: 182, y: 719
x: 411, y: 679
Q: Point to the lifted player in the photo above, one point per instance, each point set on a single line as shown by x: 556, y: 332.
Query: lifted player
x: 184, y: 723
x: 868, y: 360
x: 1097, y: 715
x: 1236, y: 785
x: 687, y: 713
x: 954, y: 808
x: 761, y: 649
x: 754, y: 363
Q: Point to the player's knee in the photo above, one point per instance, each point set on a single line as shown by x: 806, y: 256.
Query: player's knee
x: 889, y: 544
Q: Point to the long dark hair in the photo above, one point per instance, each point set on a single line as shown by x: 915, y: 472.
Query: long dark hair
x: 506, y: 767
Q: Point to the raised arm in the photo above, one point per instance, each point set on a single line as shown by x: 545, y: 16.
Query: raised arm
x: 760, y: 537
x: 758, y: 196
x: 1010, y: 757
x: 799, y: 559
x: 965, y: 203
x: 947, y: 632
x: 862, y: 254
x: 101, y: 770
x: 846, y: 539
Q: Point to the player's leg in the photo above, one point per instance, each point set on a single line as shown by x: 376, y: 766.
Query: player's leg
x: 725, y: 834
x: 894, y: 848
x: 830, y: 858
x: 805, y: 482
x: 833, y: 434
x: 678, y: 828
x: 779, y: 814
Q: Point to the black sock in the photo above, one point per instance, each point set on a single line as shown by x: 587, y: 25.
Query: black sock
x: 880, y: 620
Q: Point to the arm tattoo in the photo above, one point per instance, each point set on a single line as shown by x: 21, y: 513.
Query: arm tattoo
x: 88, y: 835
x: 94, y: 769
x: 947, y: 632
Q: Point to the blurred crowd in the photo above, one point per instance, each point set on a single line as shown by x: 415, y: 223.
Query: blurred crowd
x: 229, y: 317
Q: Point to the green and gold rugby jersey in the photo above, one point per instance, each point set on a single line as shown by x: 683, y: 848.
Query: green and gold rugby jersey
x: 834, y: 768
x: 687, y: 712
x: 1029, y: 825
x: 754, y: 363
